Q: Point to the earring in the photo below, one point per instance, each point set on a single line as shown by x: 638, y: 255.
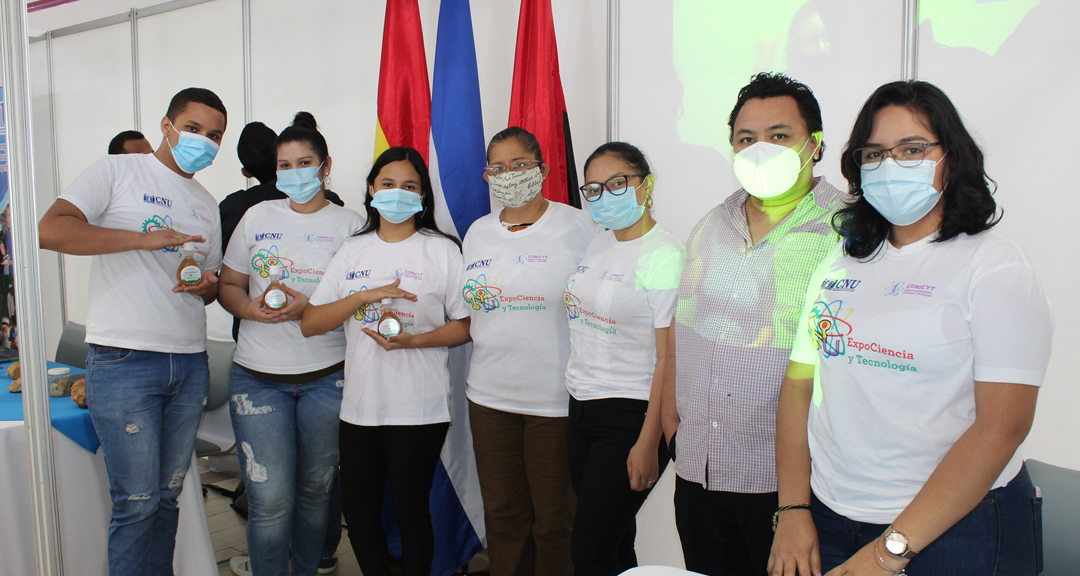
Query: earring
x: 648, y: 201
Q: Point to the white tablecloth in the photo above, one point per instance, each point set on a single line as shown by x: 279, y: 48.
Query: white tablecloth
x: 83, y: 495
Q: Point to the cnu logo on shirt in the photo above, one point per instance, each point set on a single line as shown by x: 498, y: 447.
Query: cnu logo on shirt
x: 157, y: 200
x: 357, y: 274
x: 267, y: 236
x: 840, y: 285
x: 479, y: 264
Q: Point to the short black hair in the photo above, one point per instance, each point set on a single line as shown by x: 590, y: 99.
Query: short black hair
x: 772, y: 85
x: 198, y: 95
x: 116, y: 146
x: 257, y: 151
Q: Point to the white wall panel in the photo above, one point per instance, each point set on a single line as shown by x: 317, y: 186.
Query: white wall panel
x: 92, y: 100
x: 323, y: 59
x: 1009, y: 82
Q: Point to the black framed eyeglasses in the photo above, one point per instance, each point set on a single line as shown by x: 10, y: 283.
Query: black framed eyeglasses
x: 908, y: 155
x: 616, y: 185
x: 515, y: 166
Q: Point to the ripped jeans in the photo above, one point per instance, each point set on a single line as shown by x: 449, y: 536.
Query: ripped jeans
x: 145, y: 407
x: 287, y: 441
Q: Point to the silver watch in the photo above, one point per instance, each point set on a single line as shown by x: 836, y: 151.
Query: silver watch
x: 897, y: 544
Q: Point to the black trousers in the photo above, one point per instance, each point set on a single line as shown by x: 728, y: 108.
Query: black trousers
x: 599, y: 437
x: 406, y: 456
x: 724, y: 533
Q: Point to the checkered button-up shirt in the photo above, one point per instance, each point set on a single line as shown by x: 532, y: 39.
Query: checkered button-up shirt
x: 739, y: 305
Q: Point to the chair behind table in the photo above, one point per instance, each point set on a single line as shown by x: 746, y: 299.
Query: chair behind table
x: 1060, y: 516
x: 72, y: 348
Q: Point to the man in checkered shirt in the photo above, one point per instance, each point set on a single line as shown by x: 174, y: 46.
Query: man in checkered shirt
x: 748, y: 262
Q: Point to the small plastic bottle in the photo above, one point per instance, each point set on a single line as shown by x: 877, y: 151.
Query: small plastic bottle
x: 189, y: 273
x: 274, y: 298
x: 389, y: 323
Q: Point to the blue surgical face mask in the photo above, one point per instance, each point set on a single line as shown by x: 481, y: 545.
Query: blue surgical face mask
x: 396, y: 205
x: 193, y: 152
x: 617, y: 212
x: 902, y: 195
x: 300, y: 184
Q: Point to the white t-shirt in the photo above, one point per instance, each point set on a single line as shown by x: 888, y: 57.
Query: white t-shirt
x: 899, y: 342
x: 131, y: 302
x: 619, y: 295
x: 513, y: 285
x: 397, y: 387
x: 272, y: 233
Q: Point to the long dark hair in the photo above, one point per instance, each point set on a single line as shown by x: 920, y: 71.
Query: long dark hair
x: 423, y: 220
x: 969, y: 202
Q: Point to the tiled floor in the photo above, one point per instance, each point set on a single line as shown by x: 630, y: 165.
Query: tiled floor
x: 228, y: 530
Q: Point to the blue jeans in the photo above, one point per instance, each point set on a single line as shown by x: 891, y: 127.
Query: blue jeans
x: 145, y: 407
x: 333, y: 521
x: 287, y: 441
x: 1002, y: 536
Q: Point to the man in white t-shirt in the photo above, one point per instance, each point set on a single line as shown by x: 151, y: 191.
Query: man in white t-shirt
x: 146, y: 372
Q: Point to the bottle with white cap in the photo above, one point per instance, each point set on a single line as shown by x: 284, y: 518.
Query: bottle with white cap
x: 274, y: 298
x: 389, y: 323
x: 189, y: 273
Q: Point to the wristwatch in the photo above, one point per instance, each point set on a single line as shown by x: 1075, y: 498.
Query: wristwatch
x: 897, y: 544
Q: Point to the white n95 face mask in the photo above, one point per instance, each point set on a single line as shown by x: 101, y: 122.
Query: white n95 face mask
x: 767, y: 170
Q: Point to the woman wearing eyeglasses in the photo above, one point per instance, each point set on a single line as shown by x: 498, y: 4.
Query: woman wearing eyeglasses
x: 931, y: 335
x: 517, y: 261
x: 619, y: 303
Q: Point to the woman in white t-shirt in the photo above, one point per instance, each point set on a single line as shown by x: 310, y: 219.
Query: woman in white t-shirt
x: 517, y: 261
x: 930, y: 335
x: 396, y: 407
x: 619, y: 303
x: 286, y: 389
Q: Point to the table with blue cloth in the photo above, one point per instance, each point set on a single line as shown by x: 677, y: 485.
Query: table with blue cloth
x: 82, y: 488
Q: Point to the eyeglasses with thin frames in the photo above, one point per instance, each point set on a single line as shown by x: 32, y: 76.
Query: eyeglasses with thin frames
x: 908, y: 155
x: 616, y: 185
x: 515, y: 166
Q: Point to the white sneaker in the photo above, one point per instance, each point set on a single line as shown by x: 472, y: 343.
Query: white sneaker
x: 240, y: 565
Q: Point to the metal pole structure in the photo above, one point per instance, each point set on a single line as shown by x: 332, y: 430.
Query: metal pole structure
x: 134, y: 15
x: 246, y: 6
x: 15, y: 48
x: 613, y: 70
x: 55, y: 167
x: 909, y: 51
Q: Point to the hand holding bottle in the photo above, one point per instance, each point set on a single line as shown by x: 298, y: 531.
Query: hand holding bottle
x: 297, y: 301
x: 256, y: 310
x: 399, y: 342
x: 207, y: 284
